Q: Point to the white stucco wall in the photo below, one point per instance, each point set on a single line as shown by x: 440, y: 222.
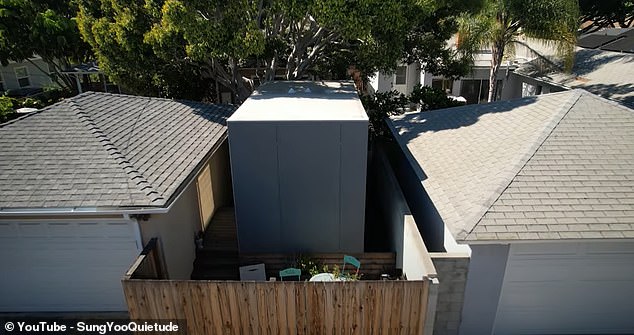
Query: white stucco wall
x: 387, y: 82
x: 176, y: 229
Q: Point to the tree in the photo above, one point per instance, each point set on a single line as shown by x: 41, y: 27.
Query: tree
x: 30, y: 28
x: 382, y: 105
x: 596, y: 14
x: 116, y: 32
x: 214, y: 39
x: 500, y: 22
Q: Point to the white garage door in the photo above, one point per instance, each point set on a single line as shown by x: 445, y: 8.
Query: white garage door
x: 571, y: 288
x: 65, y: 266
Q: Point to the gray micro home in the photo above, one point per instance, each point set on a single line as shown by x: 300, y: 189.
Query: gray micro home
x: 298, y: 160
x: 87, y: 182
x: 541, y: 190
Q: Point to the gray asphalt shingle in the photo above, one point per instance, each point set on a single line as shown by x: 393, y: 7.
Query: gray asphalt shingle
x: 105, y: 150
x: 555, y: 166
x: 605, y: 73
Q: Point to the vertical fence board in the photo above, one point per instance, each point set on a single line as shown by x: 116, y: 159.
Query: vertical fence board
x: 216, y: 310
x: 300, y: 305
x: 252, y: 305
x: 271, y: 307
x: 263, y: 310
x: 209, y: 307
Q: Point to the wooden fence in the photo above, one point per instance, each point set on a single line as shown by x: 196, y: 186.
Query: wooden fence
x: 231, y: 307
x: 148, y: 265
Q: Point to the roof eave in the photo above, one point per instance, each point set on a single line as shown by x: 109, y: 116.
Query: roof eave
x: 81, y: 211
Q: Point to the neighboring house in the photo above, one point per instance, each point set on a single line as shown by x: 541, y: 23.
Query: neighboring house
x: 24, y: 76
x: 542, y: 191
x: 86, y: 182
x: 604, y: 65
x: 474, y: 87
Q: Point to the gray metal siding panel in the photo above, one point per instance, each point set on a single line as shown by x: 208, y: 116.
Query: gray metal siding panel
x: 299, y: 186
x: 254, y: 168
x: 354, y: 153
x: 309, y: 170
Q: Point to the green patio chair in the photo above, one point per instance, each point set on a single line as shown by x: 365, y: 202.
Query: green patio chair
x: 352, y: 261
x: 290, y: 272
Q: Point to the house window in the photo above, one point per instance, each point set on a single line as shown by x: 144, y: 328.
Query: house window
x: 446, y: 85
x: 476, y: 91
x: 471, y: 90
x: 1, y: 83
x: 400, y: 78
x: 22, y: 75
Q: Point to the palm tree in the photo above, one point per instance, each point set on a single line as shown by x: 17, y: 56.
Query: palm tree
x: 500, y: 23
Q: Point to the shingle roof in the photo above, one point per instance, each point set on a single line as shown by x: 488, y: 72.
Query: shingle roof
x: 105, y: 150
x: 555, y: 166
x: 605, y: 73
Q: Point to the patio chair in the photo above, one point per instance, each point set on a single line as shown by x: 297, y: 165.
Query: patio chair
x: 290, y: 272
x: 352, y: 261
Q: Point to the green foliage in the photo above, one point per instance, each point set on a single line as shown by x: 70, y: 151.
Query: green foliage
x: 182, y: 47
x: 116, y: 30
x: 31, y: 103
x: 308, y: 265
x: 384, y: 104
x: 7, y: 111
x: 499, y: 23
x: 313, y: 267
x: 9, y: 105
x: 430, y: 98
x: 44, y: 28
x: 435, y: 24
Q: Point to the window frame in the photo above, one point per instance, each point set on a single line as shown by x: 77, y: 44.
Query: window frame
x: 404, y: 76
x: 27, y: 77
x: 446, y: 85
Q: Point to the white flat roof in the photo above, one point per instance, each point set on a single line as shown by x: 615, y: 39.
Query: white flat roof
x: 302, y: 101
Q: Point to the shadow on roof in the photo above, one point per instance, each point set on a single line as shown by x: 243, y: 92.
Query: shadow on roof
x: 588, y: 60
x: 411, y: 125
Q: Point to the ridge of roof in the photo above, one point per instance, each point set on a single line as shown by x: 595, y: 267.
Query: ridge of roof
x: 142, y: 184
x: 525, y: 157
x: 102, y: 151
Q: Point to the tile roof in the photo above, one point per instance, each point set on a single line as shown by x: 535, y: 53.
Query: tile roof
x: 102, y: 150
x: 555, y: 166
x: 605, y: 73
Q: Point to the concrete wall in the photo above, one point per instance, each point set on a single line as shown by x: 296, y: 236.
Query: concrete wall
x: 452, y: 275
x: 299, y: 186
x: 427, y: 218
x: 405, y: 239
x: 486, y: 274
x: 37, y: 78
x: 176, y: 229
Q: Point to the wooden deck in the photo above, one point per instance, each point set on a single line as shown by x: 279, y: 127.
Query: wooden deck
x: 220, y: 260
x: 221, y: 234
